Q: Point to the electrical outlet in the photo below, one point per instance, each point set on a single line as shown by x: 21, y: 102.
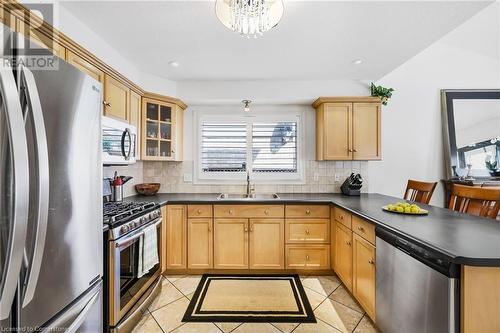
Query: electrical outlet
x: 188, y: 177
x: 337, y: 178
x: 316, y: 177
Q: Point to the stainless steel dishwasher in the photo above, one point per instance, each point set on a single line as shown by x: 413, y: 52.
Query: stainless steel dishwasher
x: 417, y: 290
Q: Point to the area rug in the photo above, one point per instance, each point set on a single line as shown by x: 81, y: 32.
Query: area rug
x: 249, y: 298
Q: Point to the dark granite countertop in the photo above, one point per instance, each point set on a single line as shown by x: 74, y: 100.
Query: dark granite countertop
x: 462, y: 238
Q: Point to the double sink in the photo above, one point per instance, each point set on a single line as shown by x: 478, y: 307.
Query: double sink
x: 248, y: 197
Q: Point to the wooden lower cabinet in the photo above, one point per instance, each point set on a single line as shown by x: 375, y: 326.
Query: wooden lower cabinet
x: 230, y: 243
x: 176, y: 237
x: 200, y: 243
x: 307, y: 231
x: 267, y: 244
x: 332, y: 240
x: 163, y: 242
x: 363, y: 286
x: 307, y: 256
x: 343, y: 254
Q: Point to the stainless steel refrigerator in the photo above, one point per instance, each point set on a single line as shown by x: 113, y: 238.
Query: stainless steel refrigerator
x: 50, y: 194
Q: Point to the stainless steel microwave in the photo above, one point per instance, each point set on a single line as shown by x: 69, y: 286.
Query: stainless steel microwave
x: 119, y: 142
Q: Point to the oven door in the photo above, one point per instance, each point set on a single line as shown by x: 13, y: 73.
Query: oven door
x: 125, y: 288
x: 118, y: 142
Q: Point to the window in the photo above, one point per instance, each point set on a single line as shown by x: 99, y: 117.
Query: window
x: 223, y: 147
x: 274, y: 147
x: 267, y: 147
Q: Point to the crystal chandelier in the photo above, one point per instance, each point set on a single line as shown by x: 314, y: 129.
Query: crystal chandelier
x: 249, y: 17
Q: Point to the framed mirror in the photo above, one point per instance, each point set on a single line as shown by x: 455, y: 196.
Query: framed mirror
x: 471, y: 129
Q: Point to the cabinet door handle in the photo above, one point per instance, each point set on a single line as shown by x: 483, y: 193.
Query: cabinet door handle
x: 341, y: 217
x: 231, y: 212
x: 209, y: 228
x: 266, y: 212
x: 355, y: 150
x: 307, y: 257
x: 350, y: 150
x: 308, y: 212
x: 371, y: 261
x: 307, y: 231
x: 199, y: 211
x: 246, y: 229
x: 361, y: 228
x: 348, y: 243
x: 108, y: 104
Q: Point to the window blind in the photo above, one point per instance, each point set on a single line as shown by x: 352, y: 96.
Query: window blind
x: 224, y: 147
x: 274, y: 147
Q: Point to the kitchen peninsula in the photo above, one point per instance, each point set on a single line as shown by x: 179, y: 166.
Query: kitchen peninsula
x: 470, y: 244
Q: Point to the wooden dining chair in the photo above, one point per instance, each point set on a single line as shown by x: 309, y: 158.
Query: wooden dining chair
x: 417, y: 191
x: 480, y: 201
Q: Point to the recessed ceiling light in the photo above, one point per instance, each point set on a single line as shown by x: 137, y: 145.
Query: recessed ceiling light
x: 174, y: 64
x: 357, y: 62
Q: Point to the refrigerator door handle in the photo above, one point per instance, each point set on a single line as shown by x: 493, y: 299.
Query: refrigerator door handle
x: 83, y: 314
x: 20, y: 169
x: 34, y: 107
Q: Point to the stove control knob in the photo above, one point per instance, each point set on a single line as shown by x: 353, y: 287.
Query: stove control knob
x: 125, y: 228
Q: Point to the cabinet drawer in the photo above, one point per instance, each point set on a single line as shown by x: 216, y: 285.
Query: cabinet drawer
x: 363, y: 228
x: 307, y: 256
x: 200, y: 211
x: 342, y: 216
x: 249, y: 211
x: 307, y: 231
x: 315, y: 211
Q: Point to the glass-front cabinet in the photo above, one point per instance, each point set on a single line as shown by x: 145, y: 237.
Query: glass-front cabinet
x: 162, y: 137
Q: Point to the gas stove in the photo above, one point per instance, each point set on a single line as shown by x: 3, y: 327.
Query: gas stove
x: 125, y: 217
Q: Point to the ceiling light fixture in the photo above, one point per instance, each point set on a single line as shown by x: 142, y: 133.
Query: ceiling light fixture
x: 246, y: 104
x: 249, y: 17
x: 174, y: 64
x: 357, y: 62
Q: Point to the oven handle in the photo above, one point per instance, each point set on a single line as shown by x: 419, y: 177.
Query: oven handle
x: 133, y: 236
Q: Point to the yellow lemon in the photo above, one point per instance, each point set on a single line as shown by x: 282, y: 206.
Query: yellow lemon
x: 400, y: 209
x: 415, y: 210
x: 407, y: 209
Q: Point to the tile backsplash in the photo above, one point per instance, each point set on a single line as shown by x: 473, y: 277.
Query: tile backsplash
x: 134, y: 170
x: 171, y: 177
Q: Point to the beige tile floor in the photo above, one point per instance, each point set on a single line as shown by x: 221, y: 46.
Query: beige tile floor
x: 335, y: 310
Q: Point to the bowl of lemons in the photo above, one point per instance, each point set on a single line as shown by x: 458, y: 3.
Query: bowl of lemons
x: 405, y: 208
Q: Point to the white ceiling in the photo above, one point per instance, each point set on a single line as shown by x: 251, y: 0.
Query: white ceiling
x: 316, y: 40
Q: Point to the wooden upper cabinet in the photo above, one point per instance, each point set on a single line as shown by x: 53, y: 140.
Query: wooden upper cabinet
x: 231, y: 243
x: 134, y: 118
x: 176, y: 237
x: 40, y: 39
x: 334, y: 141
x: 116, y: 99
x: 348, y: 128
x: 84, y: 66
x: 267, y: 244
x: 200, y: 243
x: 366, y: 134
x: 363, y: 286
x: 162, y: 130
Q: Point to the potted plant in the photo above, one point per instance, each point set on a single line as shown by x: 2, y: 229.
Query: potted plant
x: 382, y: 92
x: 492, y: 167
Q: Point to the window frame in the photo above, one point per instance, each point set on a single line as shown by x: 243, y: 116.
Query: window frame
x: 239, y: 178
